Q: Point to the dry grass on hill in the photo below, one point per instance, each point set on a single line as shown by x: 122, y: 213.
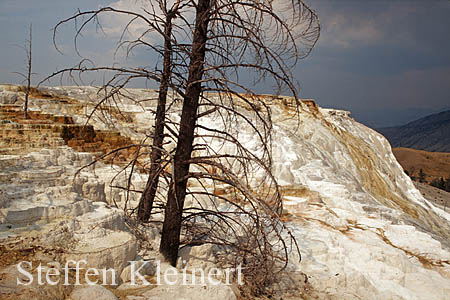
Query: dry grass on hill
x: 433, y: 164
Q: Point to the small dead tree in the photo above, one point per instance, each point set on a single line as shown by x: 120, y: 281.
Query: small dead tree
x: 27, y: 75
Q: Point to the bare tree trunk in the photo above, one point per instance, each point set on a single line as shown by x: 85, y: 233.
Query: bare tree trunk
x: 170, y: 238
x: 28, y: 77
x: 148, y: 196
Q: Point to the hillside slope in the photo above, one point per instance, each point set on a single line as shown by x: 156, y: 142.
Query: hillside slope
x: 431, y: 133
x: 433, y: 164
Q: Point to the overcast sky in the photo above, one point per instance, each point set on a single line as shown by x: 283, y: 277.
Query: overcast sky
x: 388, y: 62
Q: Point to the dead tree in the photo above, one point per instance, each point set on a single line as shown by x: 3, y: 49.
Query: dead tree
x: 214, y: 41
x: 27, y: 76
x: 149, y: 193
x: 170, y: 238
x: 159, y: 18
x: 228, y: 37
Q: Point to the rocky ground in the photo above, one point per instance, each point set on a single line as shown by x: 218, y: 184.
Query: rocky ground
x: 439, y: 197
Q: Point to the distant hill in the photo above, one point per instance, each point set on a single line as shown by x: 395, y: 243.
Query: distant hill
x: 433, y: 164
x: 431, y: 133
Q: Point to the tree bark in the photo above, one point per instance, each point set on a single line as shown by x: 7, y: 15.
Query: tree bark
x: 148, y: 196
x: 27, y: 92
x: 170, y: 238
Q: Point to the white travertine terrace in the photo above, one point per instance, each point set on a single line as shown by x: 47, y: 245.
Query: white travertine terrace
x: 364, y: 230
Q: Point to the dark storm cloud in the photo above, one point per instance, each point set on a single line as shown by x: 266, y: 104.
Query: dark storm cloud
x: 386, y: 61
x: 381, y: 58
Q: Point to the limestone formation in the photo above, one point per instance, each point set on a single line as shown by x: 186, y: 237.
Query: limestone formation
x: 91, y: 292
x: 197, y: 292
x: 7, y: 97
x: 145, y: 268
